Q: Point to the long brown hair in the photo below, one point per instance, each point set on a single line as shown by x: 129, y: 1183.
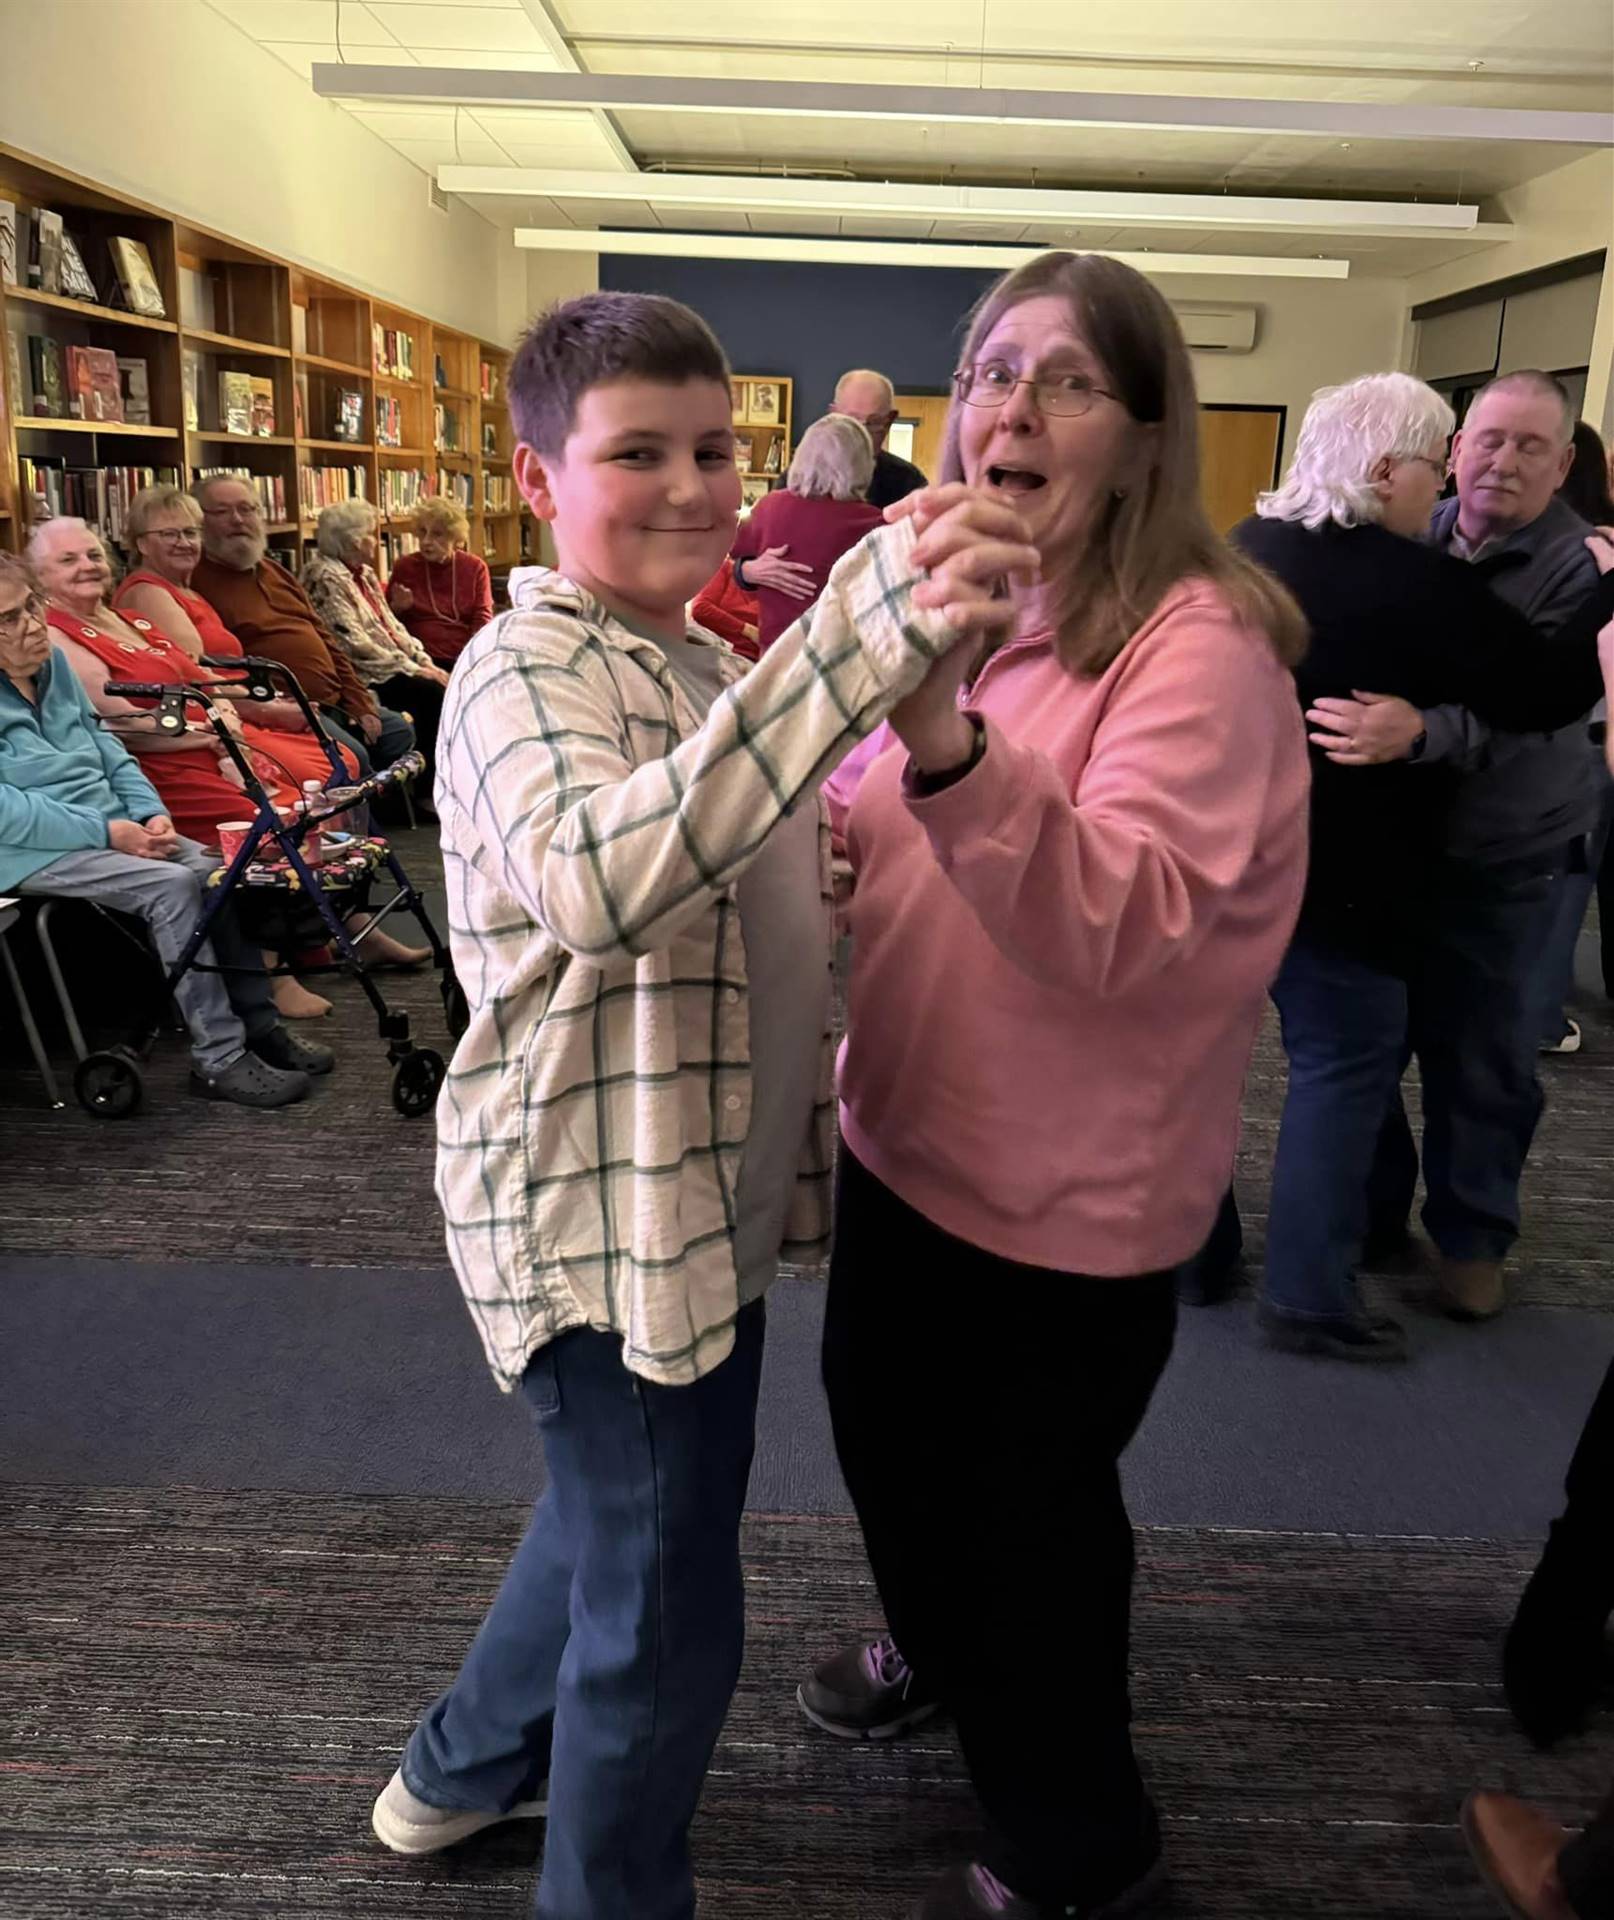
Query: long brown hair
x: 1156, y: 534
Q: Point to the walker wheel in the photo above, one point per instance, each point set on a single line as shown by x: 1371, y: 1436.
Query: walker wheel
x: 109, y: 1085
x: 415, y: 1081
x: 456, y: 1008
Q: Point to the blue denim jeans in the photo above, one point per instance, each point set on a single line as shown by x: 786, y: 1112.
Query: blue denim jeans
x: 608, y: 1658
x: 1345, y: 1032
x: 397, y: 736
x: 1558, y: 955
x: 1475, y: 1026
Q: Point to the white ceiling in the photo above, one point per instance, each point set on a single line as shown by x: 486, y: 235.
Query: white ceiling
x: 1554, y: 54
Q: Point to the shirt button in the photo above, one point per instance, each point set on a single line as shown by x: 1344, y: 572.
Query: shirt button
x: 732, y: 996
x: 733, y: 1103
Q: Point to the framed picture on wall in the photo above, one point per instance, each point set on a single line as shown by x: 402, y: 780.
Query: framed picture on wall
x: 740, y: 399
x: 751, y: 491
x: 764, y: 408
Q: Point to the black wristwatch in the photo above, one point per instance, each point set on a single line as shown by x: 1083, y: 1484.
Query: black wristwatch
x: 740, y: 579
x: 923, y: 785
x: 1416, y: 750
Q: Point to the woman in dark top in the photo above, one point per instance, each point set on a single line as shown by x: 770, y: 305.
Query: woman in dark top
x: 820, y: 514
x: 1386, y: 612
x: 1586, y: 485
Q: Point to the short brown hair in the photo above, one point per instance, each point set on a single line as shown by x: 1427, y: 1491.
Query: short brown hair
x: 582, y: 343
x: 1157, y: 534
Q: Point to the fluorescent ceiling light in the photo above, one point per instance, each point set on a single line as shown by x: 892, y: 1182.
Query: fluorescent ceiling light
x: 1181, y: 113
x: 899, y: 253
x: 768, y: 193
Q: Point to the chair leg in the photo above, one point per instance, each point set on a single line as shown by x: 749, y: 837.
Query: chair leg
x: 36, y: 1046
x: 75, y: 1032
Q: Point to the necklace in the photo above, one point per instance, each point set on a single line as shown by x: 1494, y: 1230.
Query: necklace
x: 453, y: 591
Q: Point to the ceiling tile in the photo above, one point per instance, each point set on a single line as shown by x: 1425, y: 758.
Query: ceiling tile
x: 306, y: 21
x: 424, y: 28
x: 301, y: 55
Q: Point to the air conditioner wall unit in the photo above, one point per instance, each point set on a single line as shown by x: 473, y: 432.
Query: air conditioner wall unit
x: 1218, y: 329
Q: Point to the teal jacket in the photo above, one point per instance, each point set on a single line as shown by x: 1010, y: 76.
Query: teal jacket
x: 63, y: 777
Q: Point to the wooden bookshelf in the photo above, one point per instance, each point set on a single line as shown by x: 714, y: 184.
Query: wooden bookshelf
x: 232, y: 308
x: 763, y: 406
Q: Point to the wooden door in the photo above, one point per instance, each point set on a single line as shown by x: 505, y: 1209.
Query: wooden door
x: 926, y: 413
x: 1238, y: 459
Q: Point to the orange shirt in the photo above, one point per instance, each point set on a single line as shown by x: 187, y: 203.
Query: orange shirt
x: 270, y: 615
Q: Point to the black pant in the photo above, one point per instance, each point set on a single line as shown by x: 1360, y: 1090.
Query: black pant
x: 1586, y: 1867
x: 422, y: 700
x: 980, y: 1408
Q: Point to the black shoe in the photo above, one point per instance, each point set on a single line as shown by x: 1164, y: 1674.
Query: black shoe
x: 1556, y: 1661
x: 971, y: 1893
x: 1367, y: 1339
x: 866, y: 1692
x: 289, y: 1051
x: 251, y: 1082
x: 1199, y: 1284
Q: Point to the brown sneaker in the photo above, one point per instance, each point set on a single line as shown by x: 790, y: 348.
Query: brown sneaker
x: 1516, y: 1847
x: 1471, y: 1289
x: 866, y: 1692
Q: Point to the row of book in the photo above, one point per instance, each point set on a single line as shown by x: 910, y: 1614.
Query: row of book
x: 81, y: 383
x: 319, y: 487
x: 38, y: 251
x: 489, y: 384
x: 269, y: 487
x: 388, y: 420
x: 393, y: 352
x: 395, y: 543
x: 401, y: 489
x: 446, y: 428
x: 498, y: 492
x: 247, y: 405
x: 100, y: 495
x: 455, y: 487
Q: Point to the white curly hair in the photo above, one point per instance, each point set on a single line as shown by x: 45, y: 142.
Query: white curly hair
x: 1347, y: 431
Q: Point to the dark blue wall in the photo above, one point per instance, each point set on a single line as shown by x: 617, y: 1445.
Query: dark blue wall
x: 813, y: 322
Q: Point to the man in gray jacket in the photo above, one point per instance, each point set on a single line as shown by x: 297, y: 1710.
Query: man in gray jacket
x: 1524, y: 806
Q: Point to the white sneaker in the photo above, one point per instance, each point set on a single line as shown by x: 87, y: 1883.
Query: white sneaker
x: 1569, y: 1040
x: 408, y: 1825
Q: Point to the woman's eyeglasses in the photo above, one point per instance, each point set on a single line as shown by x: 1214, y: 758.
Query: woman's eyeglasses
x: 991, y: 382
x: 18, y: 620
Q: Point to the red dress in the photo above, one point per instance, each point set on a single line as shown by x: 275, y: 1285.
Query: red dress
x: 725, y: 608
x: 299, y: 755
x: 195, y: 794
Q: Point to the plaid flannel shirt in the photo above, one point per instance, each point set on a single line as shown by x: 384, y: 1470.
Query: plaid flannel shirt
x: 592, y: 1125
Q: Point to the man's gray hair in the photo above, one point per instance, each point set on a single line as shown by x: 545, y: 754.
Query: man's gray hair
x: 1533, y: 380
x: 341, y: 527
x: 1347, y: 431
x: 835, y: 460
x: 863, y: 373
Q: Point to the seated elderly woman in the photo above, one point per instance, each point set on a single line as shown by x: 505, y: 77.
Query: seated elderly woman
x: 1344, y: 534
x: 198, y: 781
x: 442, y: 594
x: 820, y: 514
x: 340, y: 579
x: 79, y: 820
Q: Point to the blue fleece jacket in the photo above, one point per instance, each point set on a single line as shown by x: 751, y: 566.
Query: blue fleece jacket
x: 63, y: 777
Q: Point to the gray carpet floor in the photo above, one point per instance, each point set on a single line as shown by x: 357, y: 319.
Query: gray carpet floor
x: 204, y: 1692
x: 256, y: 1487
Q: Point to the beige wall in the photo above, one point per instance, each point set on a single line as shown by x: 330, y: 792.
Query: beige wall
x: 166, y: 101
x: 1309, y: 334
x: 1558, y: 216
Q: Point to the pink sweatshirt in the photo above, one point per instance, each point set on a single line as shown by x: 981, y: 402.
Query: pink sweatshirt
x: 1059, y: 961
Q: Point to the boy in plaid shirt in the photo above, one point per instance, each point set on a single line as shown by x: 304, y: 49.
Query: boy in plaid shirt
x: 638, y: 1120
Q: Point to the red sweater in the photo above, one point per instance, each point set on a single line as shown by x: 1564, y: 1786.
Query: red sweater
x: 453, y: 600
x: 725, y: 608
x: 816, y: 532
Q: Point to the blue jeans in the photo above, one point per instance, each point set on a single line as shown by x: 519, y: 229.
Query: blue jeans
x: 608, y: 1658
x: 397, y: 736
x: 1558, y: 955
x: 222, y: 1011
x: 1345, y: 1032
x: 1475, y: 1025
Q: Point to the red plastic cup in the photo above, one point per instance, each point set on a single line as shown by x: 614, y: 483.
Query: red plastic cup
x: 232, y: 834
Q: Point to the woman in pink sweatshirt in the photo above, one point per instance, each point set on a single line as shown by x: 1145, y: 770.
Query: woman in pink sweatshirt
x: 1074, y: 883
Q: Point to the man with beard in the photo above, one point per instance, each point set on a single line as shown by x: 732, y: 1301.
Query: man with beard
x: 269, y: 613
